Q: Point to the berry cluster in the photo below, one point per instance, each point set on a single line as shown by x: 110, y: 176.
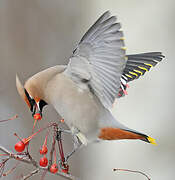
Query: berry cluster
x: 43, y: 151
x: 43, y: 162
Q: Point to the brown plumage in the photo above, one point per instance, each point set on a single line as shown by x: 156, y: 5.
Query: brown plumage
x: 109, y: 133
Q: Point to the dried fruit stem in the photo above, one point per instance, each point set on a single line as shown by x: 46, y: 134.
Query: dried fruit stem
x: 12, y: 118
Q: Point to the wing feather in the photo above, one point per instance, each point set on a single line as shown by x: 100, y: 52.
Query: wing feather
x: 137, y: 65
x: 100, y: 59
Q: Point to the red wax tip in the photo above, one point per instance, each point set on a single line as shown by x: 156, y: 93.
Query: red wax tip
x: 125, y: 92
x: 119, y: 94
x: 127, y: 86
x: 62, y: 120
x: 54, y: 168
x: 37, y: 116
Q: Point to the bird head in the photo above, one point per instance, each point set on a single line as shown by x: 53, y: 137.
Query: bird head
x: 31, y: 93
x: 36, y: 92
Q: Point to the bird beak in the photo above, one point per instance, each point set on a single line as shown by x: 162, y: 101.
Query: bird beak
x: 37, y: 114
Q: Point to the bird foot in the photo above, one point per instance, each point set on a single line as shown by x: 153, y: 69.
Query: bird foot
x: 77, y: 144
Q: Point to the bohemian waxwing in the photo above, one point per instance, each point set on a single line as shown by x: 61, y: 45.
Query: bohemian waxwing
x: 84, y: 91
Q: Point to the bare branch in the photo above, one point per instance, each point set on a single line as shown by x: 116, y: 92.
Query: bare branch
x: 128, y: 170
x: 52, y: 150
x: 30, y: 174
x: 12, y: 169
x: 14, y: 156
x: 25, y: 159
x: 3, y: 149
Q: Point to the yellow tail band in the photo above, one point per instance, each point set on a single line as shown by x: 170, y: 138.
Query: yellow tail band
x: 151, y: 140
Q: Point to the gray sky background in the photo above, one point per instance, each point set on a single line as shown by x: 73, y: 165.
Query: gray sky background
x: 37, y: 34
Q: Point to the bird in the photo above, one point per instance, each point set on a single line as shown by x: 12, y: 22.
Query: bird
x: 84, y: 91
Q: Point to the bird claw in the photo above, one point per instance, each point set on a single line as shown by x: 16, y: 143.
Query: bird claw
x: 76, y: 144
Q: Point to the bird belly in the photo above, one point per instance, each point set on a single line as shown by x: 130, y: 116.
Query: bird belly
x: 76, y: 105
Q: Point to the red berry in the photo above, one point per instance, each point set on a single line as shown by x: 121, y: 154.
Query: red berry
x: 54, y: 168
x: 65, y: 168
x: 65, y: 171
x: 20, y: 146
x: 37, y: 116
x: 43, y: 161
x: 43, y: 150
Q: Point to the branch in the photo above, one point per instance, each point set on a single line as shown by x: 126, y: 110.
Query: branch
x: 52, y: 150
x: 26, y: 158
x: 14, y: 156
x: 128, y: 170
x: 30, y: 174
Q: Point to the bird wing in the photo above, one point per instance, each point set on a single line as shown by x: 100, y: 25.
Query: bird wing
x: 136, y: 66
x: 99, y: 59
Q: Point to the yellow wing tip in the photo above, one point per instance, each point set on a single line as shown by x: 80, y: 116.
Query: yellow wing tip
x: 126, y: 58
x: 122, y: 38
x: 123, y: 48
x: 152, y: 140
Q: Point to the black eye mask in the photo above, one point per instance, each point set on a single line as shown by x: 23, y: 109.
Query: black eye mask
x: 31, y: 101
x: 41, y: 105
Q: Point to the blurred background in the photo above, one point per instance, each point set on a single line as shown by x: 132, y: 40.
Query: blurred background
x: 37, y: 34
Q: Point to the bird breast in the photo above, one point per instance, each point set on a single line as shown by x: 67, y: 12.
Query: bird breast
x: 75, y: 104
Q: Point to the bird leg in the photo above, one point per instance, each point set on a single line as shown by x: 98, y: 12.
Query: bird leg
x: 60, y: 146
x: 76, y: 144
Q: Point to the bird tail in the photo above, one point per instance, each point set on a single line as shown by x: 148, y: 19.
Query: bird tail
x: 110, y: 133
x: 111, y: 129
x: 143, y: 137
x: 136, y: 66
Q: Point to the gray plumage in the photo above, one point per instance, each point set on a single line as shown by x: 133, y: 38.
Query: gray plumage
x: 99, y: 59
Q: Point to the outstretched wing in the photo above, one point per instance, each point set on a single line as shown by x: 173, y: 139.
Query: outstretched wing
x: 136, y: 66
x: 99, y: 59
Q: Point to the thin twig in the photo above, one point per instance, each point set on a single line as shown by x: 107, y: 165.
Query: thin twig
x: 32, y: 173
x: 52, y: 149
x: 2, y: 166
x: 128, y: 170
x: 32, y: 160
x: 12, y: 118
x: 14, y: 156
x: 11, y: 170
x: 3, y: 149
x: 43, y: 175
